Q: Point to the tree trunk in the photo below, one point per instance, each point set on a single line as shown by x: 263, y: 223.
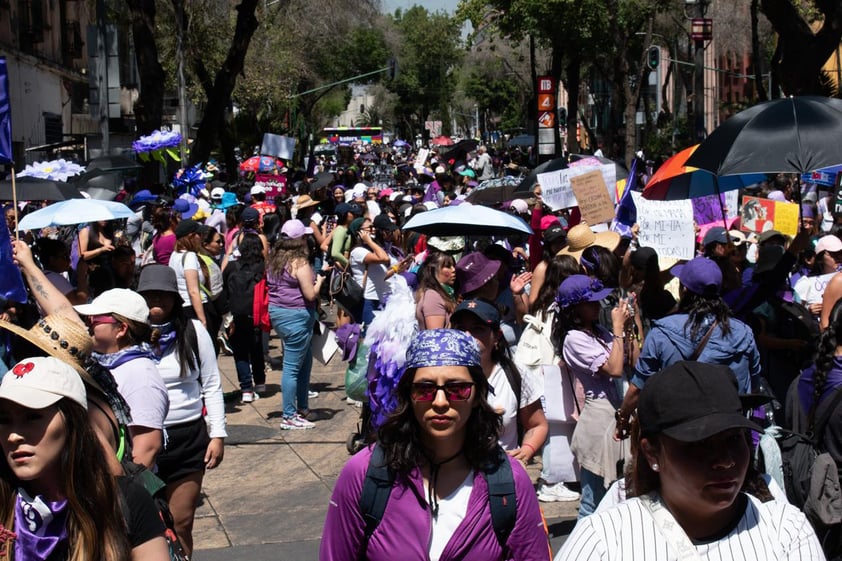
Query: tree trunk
x: 149, y: 107
x: 226, y: 78
x: 802, y: 53
x: 574, y: 81
x: 759, y: 87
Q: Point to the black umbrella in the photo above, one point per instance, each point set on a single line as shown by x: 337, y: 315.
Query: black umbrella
x: 322, y: 179
x: 99, y: 179
x: 794, y: 134
x: 34, y: 189
x: 459, y: 150
x: 531, y: 180
x: 111, y: 163
x: 495, y: 190
x: 523, y: 141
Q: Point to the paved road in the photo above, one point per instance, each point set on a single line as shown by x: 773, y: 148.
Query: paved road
x: 268, y: 499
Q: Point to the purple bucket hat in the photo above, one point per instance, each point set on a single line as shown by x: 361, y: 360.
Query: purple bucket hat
x: 580, y: 288
x: 474, y: 270
x: 442, y: 347
x: 348, y: 339
x: 700, y: 275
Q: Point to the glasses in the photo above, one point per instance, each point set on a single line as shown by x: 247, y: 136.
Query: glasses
x: 93, y: 321
x: 453, y: 391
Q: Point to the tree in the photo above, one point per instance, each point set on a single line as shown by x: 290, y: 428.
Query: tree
x: 802, y: 52
x: 427, y: 58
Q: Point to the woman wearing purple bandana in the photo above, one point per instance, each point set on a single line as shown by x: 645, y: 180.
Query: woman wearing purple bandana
x: 437, y: 443
x: 58, y: 499
x: 596, y: 357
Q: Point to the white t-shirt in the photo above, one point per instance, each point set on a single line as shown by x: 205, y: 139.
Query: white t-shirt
x: 141, y: 385
x: 196, y: 387
x: 186, y: 261
x: 452, y: 510
x: 358, y: 269
x: 627, y: 532
x: 505, y: 402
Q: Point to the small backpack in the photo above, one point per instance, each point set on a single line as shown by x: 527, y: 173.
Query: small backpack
x: 811, y: 479
x: 379, y: 480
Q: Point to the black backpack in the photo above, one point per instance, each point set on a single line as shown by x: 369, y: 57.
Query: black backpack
x: 796, y: 322
x: 379, y: 480
x: 811, y: 478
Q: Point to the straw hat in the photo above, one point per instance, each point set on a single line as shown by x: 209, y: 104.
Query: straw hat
x: 580, y: 237
x: 60, y: 337
x: 304, y: 201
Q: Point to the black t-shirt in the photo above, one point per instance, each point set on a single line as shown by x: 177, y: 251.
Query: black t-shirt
x: 142, y: 517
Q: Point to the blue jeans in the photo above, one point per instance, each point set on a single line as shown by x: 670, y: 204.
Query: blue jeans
x: 593, y: 490
x: 369, y: 306
x: 295, y: 328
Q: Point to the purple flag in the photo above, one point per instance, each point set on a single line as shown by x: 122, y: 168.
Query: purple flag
x: 11, y: 282
x: 626, y: 215
x: 5, y: 116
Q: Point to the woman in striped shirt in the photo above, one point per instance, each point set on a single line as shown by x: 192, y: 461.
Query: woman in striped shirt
x: 690, y: 477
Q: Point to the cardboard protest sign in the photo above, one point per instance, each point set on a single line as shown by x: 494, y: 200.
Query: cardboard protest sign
x: 279, y: 146
x: 759, y: 215
x: 557, y: 193
x: 591, y: 194
x: 666, y: 226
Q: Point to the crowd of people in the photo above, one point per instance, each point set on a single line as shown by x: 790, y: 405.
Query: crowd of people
x: 628, y: 376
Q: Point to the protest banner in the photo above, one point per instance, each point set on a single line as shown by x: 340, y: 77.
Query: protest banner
x: 666, y: 226
x: 759, y: 215
x: 279, y: 146
x: 591, y: 194
x: 421, y: 158
x: 274, y: 184
x: 555, y: 185
x: 810, y: 290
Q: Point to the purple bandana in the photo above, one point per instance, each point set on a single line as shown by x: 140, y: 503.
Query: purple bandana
x: 442, y: 347
x: 41, y: 527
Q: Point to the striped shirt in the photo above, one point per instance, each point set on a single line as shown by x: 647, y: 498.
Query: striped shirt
x: 766, y: 531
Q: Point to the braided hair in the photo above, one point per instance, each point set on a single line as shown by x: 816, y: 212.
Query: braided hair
x: 826, y: 352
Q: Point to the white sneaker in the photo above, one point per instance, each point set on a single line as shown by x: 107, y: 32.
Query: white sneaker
x: 296, y: 423
x: 249, y: 397
x: 556, y: 492
x: 312, y: 395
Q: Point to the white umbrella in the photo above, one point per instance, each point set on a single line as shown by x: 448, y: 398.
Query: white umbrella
x: 466, y: 220
x: 74, y: 211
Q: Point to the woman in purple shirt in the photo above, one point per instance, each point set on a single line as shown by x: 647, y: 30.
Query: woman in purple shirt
x: 293, y: 295
x: 595, y: 356
x: 437, y: 441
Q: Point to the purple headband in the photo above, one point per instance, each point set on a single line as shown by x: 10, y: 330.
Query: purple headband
x: 442, y: 347
x: 580, y: 288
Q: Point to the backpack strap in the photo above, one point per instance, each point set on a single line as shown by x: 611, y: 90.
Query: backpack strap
x: 501, y: 497
x: 377, y: 488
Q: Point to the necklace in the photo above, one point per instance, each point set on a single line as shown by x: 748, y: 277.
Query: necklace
x: 431, y: 484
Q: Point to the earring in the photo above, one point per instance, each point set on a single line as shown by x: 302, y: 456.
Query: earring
x: 655, y: 467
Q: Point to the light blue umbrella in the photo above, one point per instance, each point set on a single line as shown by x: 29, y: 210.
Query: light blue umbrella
x: 466, y: 220
x: 74, y: 211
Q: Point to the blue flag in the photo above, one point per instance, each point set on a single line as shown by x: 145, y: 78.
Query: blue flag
x: 11, y: 281
x: 626, y: 215
x: 5, y: 116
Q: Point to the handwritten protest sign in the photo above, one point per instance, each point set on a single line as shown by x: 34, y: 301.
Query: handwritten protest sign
x: 557, y: 192
x: 666, y: 226
x: 421, y: 158
x: 759, y: 215
x: 811, y: 289
x: 594, y: 202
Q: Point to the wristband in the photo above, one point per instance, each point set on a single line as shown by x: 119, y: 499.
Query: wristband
x: 530, y: 447
x: 619, y: 336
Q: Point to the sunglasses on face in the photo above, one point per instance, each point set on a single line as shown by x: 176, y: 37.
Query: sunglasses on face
x: 93, y: 321
x: 453, y: 391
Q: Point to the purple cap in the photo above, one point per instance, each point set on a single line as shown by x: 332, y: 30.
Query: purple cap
x: 185, y: 208
x: 700, y: 275
x: 807, y: 211
x: 474, y: 270
x: 485, y: 311
x: 295, y: 229
x: 442, y: 347
x: 576, y: 289
x: 347, y: 339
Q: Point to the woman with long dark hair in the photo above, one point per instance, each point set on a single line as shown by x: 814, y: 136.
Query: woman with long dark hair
x: 164, y: 220
x: 293, y: 295
x: 367, y: 261
x: 246, y: 340
x: 187, y: 363
x: 435, y: 298
x: 703, y: 329
x: 439, y: 441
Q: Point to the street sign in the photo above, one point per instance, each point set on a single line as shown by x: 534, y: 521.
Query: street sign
x: 546, y: 84
x: 546, y: 149
x: 546, y: 136
x: 546, y: 102
x: 546, y: 119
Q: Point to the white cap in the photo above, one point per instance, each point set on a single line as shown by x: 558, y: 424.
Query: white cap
x: 38, y: 382
x: 217, y: 192
x: 359, y: 191
x: 120, y: 301
x: 828, y: 243
x: 258, y: 190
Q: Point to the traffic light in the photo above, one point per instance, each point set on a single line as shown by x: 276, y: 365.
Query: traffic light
x: 653, y: 57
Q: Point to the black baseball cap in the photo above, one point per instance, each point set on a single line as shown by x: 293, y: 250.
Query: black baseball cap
x: 382, y: 222
x: 485, y: 311
x: 691, y: 401
x: 554, y: 233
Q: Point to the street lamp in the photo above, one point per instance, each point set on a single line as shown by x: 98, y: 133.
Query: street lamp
x: 701, y: 30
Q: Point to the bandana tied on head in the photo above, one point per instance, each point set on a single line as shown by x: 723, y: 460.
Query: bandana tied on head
x: 442, y: 347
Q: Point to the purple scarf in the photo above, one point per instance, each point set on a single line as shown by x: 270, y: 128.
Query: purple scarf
x: 41, y: 527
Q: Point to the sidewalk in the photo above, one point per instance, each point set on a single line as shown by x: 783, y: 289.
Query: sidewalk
x: 268, y: 499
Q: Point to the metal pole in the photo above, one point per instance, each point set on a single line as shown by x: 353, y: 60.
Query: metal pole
x: 182, y: 88
x: 699, y: 87
x: 102, y: 77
